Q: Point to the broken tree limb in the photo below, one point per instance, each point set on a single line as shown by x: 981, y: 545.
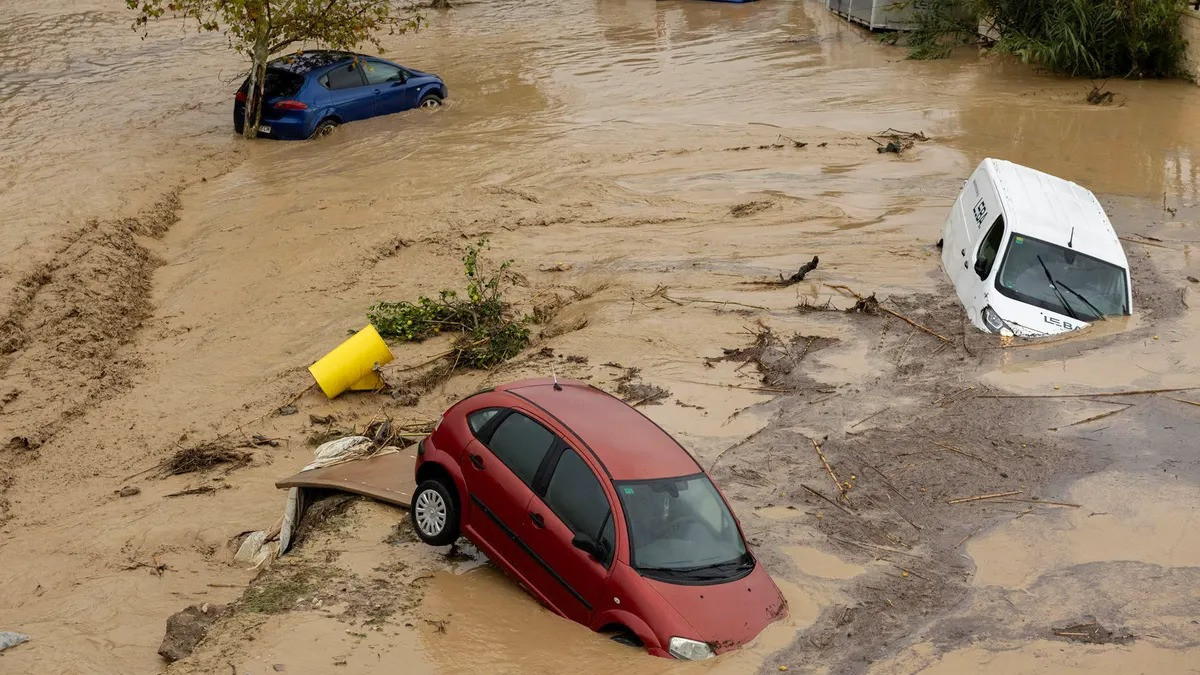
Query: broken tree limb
x: 964, y: 453
x: 1093, y: 418
x: 716, y: 302
x: 1043, y: 501
x: 1184, y: 400
x: 979, y: 498
x: 892, y: 312
x: 1136, y: 392
x: 848, y: 511
x: 800, y: 273
x: 837, y: 483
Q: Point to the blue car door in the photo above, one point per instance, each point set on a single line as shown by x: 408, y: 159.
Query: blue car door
x: 352, y: 99
x: 389, y: 84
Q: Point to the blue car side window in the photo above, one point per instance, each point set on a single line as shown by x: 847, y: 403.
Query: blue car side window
x: 343, y: 77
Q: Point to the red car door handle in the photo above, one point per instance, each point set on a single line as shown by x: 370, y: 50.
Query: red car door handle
x: 477, y: 460
x: 537, y: 519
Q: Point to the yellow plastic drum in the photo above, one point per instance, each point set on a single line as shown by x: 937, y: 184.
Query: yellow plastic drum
x: 352, y: 364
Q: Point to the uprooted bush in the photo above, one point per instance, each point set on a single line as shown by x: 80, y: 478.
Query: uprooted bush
x: 488, y: 333
x: 1084, y: 38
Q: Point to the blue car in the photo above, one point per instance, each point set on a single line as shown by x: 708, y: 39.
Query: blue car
x: 307, y: 94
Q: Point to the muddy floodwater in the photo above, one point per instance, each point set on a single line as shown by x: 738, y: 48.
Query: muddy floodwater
x: 647, y: 166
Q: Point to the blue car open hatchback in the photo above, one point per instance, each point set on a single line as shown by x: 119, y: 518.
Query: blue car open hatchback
x: 309, y: 93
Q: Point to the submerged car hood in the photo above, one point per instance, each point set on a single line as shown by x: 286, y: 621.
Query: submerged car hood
x: 726, y: 615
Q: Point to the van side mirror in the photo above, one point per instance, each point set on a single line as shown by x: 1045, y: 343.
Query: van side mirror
x: 585, y: 543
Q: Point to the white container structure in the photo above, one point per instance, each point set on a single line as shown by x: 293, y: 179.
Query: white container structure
x: 878, y: 14
x: 1031, y: 254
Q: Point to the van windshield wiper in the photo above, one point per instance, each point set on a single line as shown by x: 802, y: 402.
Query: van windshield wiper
x: 1061, y: 297
x: 1085, y: 300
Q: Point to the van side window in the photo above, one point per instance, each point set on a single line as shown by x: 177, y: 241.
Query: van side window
x: 988, y: 249
x: 521, y: 444
x: 575, y: 496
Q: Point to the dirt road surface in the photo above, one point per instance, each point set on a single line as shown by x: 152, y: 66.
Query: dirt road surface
x: 163, y: 283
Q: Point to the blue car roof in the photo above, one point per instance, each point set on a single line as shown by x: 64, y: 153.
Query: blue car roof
x: 302, y: 63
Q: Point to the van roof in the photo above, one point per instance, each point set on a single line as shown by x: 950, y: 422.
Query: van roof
x: 1047, y: 207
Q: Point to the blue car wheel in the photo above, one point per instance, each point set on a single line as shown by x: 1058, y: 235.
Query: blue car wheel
x: 325, y: 128
x: 430, y: 100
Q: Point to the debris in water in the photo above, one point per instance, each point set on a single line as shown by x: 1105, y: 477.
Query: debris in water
x: 897, y: 141
x: 556, y: 267
x: 186, y: 629
x: 1092, y: 632
x: 129, y: 491
x: 322, y: 419
x: 639, y: 393
x: 749, y: 208
x: 800, y: 273
x: 202, y: 490
x: 865, y: 305
x: 203, y: 457
x: 1099, y: 95
x: 287, y: 410
x: 8, y: 639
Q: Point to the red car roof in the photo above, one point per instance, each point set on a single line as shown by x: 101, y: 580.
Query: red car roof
x: 627, y: 443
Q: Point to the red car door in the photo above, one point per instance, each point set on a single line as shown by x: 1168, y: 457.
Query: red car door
x: 499, y: 470
x: 570, y: 501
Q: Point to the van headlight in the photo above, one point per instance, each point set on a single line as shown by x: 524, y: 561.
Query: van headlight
x: 689, y: 650
x: 994, y: 323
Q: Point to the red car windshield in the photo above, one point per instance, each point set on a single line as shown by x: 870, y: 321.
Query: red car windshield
x: 681, y: 527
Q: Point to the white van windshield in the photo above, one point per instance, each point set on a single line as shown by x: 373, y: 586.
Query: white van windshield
x: 1061, y: 280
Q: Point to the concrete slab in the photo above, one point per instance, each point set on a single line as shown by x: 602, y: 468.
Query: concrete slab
x: 387, y: 478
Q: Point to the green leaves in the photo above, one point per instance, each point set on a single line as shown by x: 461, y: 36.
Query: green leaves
x: 1086, y: 38
x: 278, y: 24
x: 486, y: 336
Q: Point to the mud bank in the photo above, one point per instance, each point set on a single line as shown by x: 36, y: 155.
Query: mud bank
x: 641, y: 198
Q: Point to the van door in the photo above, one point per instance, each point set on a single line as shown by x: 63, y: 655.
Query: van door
x: 984, y: 266
x: 961, y: 238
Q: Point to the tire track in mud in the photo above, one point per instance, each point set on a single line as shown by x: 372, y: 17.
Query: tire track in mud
x: 69, y: 317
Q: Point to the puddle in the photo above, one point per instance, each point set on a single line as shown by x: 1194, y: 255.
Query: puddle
x: 1123, y: 517
x: 488, y: 619
x: 1043, y: 657
x: 815, y: 563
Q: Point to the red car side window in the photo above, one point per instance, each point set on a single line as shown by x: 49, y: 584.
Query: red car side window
x: 574, y: 494
x: 521, y: 444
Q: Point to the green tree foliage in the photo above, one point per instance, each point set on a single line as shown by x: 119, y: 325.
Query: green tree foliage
x: 486, y: 334
x: 1085, y: 38
x: 260, y: 28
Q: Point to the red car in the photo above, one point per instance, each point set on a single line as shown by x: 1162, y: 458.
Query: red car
x: 598, y: 513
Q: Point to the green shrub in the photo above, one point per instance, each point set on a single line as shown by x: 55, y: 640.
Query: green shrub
x: 486, y: 334
x: 1084, y: 38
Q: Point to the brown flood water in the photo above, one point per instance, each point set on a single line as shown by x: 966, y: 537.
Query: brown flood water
x: 599, y: 133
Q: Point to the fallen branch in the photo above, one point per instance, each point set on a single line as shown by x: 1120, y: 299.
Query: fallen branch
x: 800, y: 273
x: 1093, y: 418
x: 955, y: 450
x: 1043, y: 501
x: 827, y: 499
x: 868, y: 417
x: 894, y: 313
x: 978, y: 498
x: 950, y: 396
x: 202, y: 490
x: 837, y: 483
x: 1137, y: 392
x: 716, y: 302
x: 1184, y: 400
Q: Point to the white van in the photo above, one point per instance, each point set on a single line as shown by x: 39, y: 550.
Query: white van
x: 1030, y: 254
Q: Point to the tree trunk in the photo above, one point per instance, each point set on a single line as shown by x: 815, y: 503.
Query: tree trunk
x: 254, y: 94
